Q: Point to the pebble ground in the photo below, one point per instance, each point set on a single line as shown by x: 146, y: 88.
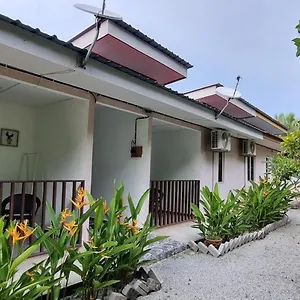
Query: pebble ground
x: 267, y: 269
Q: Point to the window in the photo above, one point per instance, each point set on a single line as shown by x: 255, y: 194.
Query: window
x: 268, y: 167
x: 250, y: 168
x: 221, y: 167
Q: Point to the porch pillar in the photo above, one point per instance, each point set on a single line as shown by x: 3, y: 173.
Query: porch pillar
x: 143, y: 165
x: 89, y: 159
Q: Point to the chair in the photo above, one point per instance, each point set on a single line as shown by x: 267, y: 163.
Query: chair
x: 156, y: 197
x: 28, y: 212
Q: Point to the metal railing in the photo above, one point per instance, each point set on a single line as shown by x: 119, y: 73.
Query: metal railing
x: 26, y: 200
x: 170, y: 200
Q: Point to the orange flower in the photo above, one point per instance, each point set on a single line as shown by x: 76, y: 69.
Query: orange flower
x: 79, y: 200
x: 15, y: 234
x: 102, y: 254
x: 66, y: 213
x: 123, y: 223
x: 105, y: 208
x: 30, y: 275
x: 71, y: 227
x: 133, y: 227
x: 266, y: 193
x: 23, y: 227
x: 263, y: 181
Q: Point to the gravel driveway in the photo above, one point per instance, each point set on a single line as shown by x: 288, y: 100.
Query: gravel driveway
x: 264, y: 269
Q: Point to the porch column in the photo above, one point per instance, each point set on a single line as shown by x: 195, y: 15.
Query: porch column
x: 89, y: 159
x: 143, y: 165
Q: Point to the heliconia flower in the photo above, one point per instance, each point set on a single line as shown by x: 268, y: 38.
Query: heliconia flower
x: 66, y: 213
x: 14, y: 234
x: 133, y: 227
x: 30, y: 275
x: 102, y: 254
x: 123, y: 223
x: 23, y: 227
x: 79, y: 200
x: 71, y: 227
x: 105, y: 208
x: 91, y: 244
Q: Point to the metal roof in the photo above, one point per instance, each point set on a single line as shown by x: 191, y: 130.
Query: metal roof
x: 243, y: 101
x: 69, y: 45
x: 142, y: 37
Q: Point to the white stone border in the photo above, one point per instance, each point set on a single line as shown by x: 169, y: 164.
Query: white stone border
x: 238, y: 241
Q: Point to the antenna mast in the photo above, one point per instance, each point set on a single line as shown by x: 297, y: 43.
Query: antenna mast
x: 97, y: 25
x: 236, y: 86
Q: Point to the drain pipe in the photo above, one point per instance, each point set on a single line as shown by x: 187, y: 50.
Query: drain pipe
x: 133, y: 142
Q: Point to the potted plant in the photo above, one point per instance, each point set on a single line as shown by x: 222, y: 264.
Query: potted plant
x: 214, y: 216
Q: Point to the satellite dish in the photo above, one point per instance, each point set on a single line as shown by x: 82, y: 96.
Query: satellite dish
x: 97, y: 12
x: 100, y: 14
x: 228, y: 92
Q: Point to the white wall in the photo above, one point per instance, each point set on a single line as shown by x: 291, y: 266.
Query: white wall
x: 176, y: 155
x: 234, y: 169
x: 62, y: 139
x: 21, y: 118
x: 260, y: 161
x: 114, y: 131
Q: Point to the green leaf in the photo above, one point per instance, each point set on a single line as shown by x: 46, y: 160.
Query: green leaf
x: 23, y: 256
x: 105, y: 284
x: 142, y: 201
x: 132, y: 208
x: 119, y: 249
x: 53, y: 217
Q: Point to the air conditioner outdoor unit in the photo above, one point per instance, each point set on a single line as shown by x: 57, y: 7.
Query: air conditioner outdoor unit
x: 220, y: 141
x: 248, y: 148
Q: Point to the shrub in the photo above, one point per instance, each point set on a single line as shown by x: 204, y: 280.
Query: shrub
x: 264, y: 202
x: 33, y: 282
x: 216, y: 222
x: 245, y: 210
x: 112, y: 254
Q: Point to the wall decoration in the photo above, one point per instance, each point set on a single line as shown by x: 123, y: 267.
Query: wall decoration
x: 9, y: 137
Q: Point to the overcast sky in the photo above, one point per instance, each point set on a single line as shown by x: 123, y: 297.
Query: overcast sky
x: 221, y: 38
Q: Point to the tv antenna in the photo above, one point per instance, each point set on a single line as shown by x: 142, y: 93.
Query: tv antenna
x: 100, y: 15
x: 228, y: 93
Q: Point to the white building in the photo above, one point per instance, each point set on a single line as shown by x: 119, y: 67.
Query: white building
x: 77, y: 126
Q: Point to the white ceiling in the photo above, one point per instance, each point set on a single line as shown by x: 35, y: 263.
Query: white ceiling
x: 27, y: 95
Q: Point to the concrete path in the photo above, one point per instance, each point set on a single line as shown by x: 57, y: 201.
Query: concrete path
x: 180, y: 232
x: 267, y: 269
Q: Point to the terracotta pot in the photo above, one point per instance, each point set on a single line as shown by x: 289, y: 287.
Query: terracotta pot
x: 215, y: 242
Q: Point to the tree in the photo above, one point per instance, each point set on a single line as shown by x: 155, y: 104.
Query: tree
x: 297, y: 40
x: 286, y: 165
x: 288, y: 120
